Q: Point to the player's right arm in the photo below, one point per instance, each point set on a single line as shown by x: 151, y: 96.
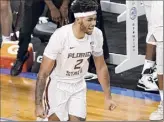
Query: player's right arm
x: 48, y: 64
x: 46, y: 67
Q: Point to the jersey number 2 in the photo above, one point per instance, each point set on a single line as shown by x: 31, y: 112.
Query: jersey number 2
x: 78, y: 63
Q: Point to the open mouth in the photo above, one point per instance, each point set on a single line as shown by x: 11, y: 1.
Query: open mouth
x: 90, y: 29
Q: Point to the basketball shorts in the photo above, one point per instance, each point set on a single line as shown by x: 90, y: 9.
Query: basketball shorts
x: 64, y: 99
x: 157, y: 33
x: 148, y: 17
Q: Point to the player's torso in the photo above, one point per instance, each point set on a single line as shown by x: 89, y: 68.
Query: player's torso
x: 72, y: 63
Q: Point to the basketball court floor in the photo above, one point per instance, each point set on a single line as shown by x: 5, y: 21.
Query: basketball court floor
x: 17, y: 100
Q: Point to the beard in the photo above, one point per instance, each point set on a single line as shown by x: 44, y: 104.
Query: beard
x: 85, y: 29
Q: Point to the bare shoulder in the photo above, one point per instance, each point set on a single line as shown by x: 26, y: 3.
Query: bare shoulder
x: 62, y: 31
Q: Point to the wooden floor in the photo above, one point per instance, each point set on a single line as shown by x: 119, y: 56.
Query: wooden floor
x: 17, y: 103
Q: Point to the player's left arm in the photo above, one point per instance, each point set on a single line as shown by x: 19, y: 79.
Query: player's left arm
x: 101, y: 69
x: 103, y: 75
x: 104, y: 79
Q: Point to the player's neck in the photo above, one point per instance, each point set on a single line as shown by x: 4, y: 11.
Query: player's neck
x: 77, y: 31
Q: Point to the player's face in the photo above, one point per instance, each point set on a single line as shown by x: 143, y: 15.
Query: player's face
x: 88, y: 24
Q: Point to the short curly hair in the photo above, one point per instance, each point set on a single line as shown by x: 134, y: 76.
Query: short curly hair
x: 84, y: 6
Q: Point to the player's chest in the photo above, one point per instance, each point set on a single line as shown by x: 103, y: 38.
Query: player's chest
x: 78, y: 50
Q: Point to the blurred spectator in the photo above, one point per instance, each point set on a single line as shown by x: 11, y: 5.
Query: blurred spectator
x: 157, y: 38
x: 149, y: 71
x: 5, y: 19
x: 33, y: 9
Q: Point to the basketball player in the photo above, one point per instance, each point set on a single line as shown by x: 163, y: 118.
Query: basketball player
x: 65, y: 62
x: 6, y: 19
x: 157, y: 37
x: 149, y: 74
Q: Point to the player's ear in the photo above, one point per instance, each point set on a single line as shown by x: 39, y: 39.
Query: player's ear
x: 79, y: 20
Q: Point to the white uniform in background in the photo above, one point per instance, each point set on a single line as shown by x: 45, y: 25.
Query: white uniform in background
x: 157, y: 32
x: 148, y: 80
x: 66, y: 89
x: 147, y: 6
x: 157, y: 20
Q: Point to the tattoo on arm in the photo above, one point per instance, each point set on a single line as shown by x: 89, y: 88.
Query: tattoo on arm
x: 40, y: 86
